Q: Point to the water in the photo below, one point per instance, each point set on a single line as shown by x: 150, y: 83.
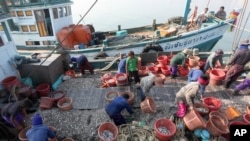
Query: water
x: 108, y: 14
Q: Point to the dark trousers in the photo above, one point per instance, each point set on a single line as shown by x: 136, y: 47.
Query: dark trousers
x: 232, y: 74
x: 85, y: 65
x: 141, y: 93
x: 135, y: 75
x: 118, y: 119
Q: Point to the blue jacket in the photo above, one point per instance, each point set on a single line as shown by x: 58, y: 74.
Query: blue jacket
x: 40, y: 133
x: 194, y: 74
x: 117, y: 105
x: 122, y: 66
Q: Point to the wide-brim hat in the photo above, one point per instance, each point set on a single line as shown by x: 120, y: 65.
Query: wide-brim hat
x: 245, y: 42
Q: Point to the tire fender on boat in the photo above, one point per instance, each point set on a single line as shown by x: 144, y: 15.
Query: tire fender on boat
x: 152, y: 47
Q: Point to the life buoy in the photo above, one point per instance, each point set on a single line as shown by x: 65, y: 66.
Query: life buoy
x: 152, y: 48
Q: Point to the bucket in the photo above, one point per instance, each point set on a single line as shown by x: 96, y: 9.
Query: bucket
x: 143, y: 71
x: 131, y: 96
x: 162, y: 60
x: 43, y: 89
x: 193, y: 61
x: 221, y: 115
x: 182, y: 71
x: 121, y: 78
x: 212, y: 103
x: 153, y: 69
x: 109, y: 96
x: 246, y: 118
x: 65, y: 103
x: 57, y: 95
x: 148, y: 105
x: 111, y: 82
x: 22, y: 134
x: 201, y: 108
x: 71, y: 73
x: 227, y: 136
x: 68, y: 139
x: 24, y: 91
x: 166, y: 70
x: 10, y: 81
x: 165, y: 124
x: 216, y: 126
x: 108, y: 132
x: 232, y: 113
x: 216, y: 76
x: 46, y: 102
x: 193, y: 120
x: 106, y: 76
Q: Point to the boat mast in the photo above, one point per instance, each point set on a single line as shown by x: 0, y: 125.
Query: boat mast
x: 187, y: 10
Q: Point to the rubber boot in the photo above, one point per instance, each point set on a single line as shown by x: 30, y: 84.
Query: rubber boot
x: 182, y: 109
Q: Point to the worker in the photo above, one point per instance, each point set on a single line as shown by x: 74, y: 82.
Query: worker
x: 145, y: 85
x: 185, y: 96
x: 38, y: 131
x: 221, y: 14
x: 179, y: 59
x: 236, y: 64
x: 132, y: 67
x: 202, y: 18
x: 82, y: 64
x: 14, y: 113
x: 122, y: 64
x: 114, y: 109
x: 243, y: 85
x: 214, y: 60
x: 194, y: 73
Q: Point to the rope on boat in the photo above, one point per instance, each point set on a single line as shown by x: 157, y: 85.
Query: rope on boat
x: 110, y: 64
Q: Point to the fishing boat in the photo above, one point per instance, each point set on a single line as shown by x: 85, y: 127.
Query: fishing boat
x: 82, y: 39
x: 7, y: 49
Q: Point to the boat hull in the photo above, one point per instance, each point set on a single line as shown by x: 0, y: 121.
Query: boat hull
x: 204, y: 39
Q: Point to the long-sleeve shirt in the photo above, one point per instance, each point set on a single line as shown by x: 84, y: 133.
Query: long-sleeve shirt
x: 122, y: 66
x: 188, y: 92
x: 213, y: 58
x: 40, y: 133
x: 178, y: 59
x: 241, y: 57
x: 194, y: 74
x: 117, y: 105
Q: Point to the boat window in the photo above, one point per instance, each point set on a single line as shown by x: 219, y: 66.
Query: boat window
x: 49, y: 42
x: 1, y: 41
x: 55, y: 13
x: 65, y: 11
x: 28, y: 43
x: 20, y: 13
x: 28, y: 13
x: 1, y: 28
x: 60, y: 11
x: 32, y: 28
x: 25, y: 28
x: 12, y: 13
x: 69, y: 10
x: 8, y: 2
